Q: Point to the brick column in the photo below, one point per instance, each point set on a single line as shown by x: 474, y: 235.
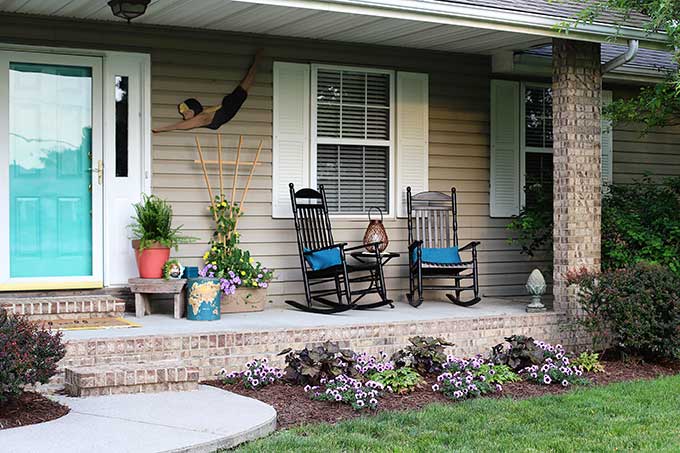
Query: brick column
x: 577, y: 90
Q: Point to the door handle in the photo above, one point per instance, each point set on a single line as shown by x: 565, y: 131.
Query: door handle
x: 100, y: 171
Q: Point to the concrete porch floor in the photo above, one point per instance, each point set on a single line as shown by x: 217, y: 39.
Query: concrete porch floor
x: 280, y: 316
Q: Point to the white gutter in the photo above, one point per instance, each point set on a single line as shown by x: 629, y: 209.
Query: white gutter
x: 626, y: 57
x: 474, y: 16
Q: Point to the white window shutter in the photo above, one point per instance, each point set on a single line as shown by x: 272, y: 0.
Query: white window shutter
x: 607, y: 143
x: 412, y: 135
x: 290, y: 148
x: 505, y: 133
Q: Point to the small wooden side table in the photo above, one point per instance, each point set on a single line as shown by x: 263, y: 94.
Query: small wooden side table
x: 142, y: 288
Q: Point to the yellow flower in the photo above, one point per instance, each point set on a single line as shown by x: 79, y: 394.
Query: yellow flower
x: 214, y: 263
x: 224, y: 204
x: 251, y: 260
x: 205, y: 256
x: 243, y: 272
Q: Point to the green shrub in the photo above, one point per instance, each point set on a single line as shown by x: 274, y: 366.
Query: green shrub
x: 28, y: 354
x: 425, y: 354
x: 401, y: 380
x: 497, y: 374
x: 589, y: 361
x: 640, y: 222
x: 636, y: 309
x: 532, y: 229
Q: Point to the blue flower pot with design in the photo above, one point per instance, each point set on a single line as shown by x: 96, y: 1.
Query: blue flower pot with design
x: 203, y: 299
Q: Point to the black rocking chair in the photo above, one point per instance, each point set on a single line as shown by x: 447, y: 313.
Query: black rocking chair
x: 433, y: 231
x: 314, y: 235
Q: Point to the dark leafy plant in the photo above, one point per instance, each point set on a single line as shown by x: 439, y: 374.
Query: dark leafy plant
x: 310, y: 365
x: 532, y: 229
x: 640, y: 222
x: 636, y: 309
x: 28, y: 354
x: 401, y: 380
x: 518, y: 353
x: 425, y: 355
x: 152, y: 223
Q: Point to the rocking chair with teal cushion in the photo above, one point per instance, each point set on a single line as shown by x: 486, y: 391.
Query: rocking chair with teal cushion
x: 434, y: 253
x: 326, y: 275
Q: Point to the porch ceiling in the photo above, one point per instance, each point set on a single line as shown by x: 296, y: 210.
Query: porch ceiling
x: 298, y: 21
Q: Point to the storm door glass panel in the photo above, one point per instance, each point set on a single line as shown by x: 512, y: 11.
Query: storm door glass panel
x: 50, y: 153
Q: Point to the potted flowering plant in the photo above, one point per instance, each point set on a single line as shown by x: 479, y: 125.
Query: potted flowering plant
x: 243, y: 281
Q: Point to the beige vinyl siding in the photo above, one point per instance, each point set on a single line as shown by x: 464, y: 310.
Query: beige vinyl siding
x: 207, y: 65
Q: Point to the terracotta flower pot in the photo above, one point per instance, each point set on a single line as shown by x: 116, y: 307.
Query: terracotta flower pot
x: 150, y: 261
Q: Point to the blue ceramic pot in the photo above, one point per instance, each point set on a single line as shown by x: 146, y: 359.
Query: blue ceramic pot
x: 203, y: 299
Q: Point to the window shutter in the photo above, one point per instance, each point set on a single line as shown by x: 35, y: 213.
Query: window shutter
x: 412, y: 135
x: 290, y: 148
x: 504, y: 177
x: 607, y: 143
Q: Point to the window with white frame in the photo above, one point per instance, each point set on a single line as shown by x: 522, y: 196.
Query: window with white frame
x: 352, y: 145
x: 537, y: 143
x: 521, y: 152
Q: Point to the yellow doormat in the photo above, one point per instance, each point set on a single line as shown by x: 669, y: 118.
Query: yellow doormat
x: 89, y: 324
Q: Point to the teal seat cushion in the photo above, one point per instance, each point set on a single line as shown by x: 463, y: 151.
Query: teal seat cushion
x: 323, y: 259
x: 447, y: 255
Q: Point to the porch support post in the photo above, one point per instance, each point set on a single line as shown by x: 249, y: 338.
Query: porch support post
x: 577, y: 91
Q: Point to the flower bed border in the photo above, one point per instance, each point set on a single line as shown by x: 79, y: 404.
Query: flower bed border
x: 295, y: 408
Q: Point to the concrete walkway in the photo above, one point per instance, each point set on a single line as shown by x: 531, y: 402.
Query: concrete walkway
x: 198, y: 421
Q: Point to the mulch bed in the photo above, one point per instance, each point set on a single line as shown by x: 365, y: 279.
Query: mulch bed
x: 294, y: 407
x: 28, y: 409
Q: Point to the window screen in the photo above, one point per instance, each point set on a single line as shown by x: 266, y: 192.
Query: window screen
x: 353, y: 138
x: 538, y: 128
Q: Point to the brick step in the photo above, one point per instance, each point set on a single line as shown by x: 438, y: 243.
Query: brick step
x: 144, y: 377
x: 60, y: 307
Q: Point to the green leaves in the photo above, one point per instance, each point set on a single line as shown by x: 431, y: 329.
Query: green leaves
x: 658, y: 105
x: 400, y: 380
x: 153, y: 224
x: 636, y: 309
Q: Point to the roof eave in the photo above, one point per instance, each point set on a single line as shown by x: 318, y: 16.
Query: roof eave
x: 478, y: 17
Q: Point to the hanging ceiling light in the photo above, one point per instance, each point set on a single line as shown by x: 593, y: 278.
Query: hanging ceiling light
x: 128, y: 9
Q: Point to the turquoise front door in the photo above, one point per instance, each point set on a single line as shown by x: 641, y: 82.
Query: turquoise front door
x: 50, y: 159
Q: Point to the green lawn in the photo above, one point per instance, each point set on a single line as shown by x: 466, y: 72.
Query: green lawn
x: 634, y: 416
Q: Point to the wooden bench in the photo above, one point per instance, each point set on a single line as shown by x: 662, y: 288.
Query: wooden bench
x: 142, y: 288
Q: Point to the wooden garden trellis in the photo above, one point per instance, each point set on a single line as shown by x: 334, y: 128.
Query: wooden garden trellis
x: 220, y: 163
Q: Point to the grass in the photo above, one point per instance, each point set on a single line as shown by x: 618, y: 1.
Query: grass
x: 633, y: 416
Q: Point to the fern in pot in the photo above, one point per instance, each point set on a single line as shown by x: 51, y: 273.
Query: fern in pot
x: 153, y: 235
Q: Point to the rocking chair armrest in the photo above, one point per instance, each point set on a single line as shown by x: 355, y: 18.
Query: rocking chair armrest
x: 340, y: 246
x: 415, y: 244
x: 357, y: 247
x: 468, y: 246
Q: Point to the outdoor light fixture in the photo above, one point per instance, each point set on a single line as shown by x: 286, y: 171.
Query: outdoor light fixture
x: 128, y: 9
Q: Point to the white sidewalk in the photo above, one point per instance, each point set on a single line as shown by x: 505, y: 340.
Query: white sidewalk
x: 198, y: 421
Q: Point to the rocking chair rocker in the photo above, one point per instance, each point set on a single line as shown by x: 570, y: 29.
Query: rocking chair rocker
x: 433, y: 248
x: 323, y: 261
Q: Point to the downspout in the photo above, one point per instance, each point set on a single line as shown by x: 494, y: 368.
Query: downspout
x: 626, y: 57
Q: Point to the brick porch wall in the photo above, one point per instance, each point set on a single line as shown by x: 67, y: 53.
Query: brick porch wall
x: 577, y: 92
x: 211, y: 352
